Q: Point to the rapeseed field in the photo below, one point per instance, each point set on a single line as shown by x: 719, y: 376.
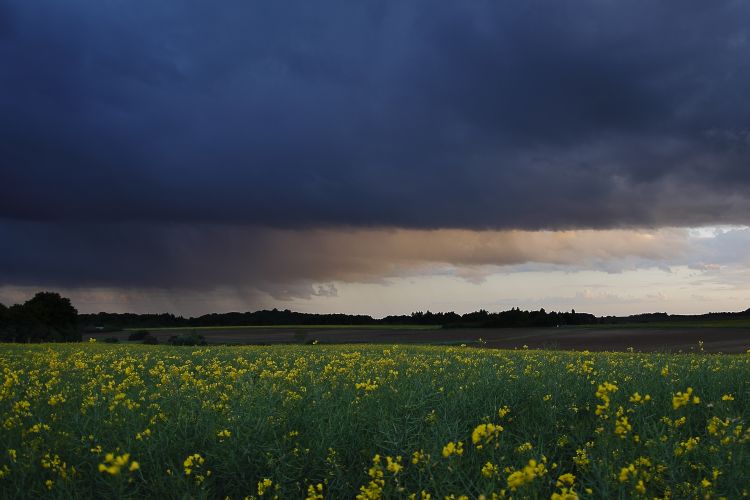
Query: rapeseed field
x: 133, y: 421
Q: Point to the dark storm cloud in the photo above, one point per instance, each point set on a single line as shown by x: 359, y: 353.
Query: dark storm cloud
x: 520, y: 114
x: 299, y: 263
x: 165, y: 144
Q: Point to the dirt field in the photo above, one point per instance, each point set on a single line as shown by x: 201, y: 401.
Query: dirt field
x: 727, y: 340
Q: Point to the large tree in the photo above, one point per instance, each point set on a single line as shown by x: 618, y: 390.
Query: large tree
x: 47, y: 317
x: 3, y: 316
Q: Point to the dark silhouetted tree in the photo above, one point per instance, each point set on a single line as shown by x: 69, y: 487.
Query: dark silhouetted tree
x: 3, y: 319
x: 47, y: 317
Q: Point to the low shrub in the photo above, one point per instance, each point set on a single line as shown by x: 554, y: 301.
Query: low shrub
x: 150, y: 339
x: 187, y: 339
x: 139, y: 335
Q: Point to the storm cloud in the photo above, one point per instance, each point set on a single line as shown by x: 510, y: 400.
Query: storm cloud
x: 525, y: 114
x: 284, y: 146
x: 294, y: 263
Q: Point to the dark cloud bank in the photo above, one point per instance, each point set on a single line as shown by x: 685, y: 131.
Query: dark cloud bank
x: 130, y: 120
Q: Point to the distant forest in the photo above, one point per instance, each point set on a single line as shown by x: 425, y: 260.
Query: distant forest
x: 512, y: 318
x: 49, y: 317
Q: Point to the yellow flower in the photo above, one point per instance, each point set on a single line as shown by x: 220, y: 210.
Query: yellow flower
x: 626, y: 473
x: 113, y: 465
x: 637, y: 398
x: 453, y: 449
x: 191, y: 462
x: 373, y: 489
x: 315, y: 492
x: 566, y: 480
x: 146, y: 433
x: 523, y: 448
x: 368, y: 385
x: 622, y: 427
x: 526, y: 475
x: 686, y: 446
x: 393, y: 466
x: 485, y: 433
x: 489, y: 470
x: 581, y: 459
x: 264, y: 485
x: 640, y: 487
x: 603, y: 392
x: 56, y: 400
x: 683, y: 398
x: 565, y: 494
x: 419, y: 456
x: 423, y: 495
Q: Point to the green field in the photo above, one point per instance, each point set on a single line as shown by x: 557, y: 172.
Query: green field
x: 133, y: 421
x: 291, y: 327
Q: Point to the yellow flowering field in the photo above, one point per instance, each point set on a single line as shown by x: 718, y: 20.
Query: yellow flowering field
x: 120, y: 421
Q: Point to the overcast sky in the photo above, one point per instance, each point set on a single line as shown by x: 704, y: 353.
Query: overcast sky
x: 376, y: 157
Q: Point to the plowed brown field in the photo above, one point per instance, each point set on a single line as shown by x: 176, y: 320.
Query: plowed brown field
x: 727, y: 340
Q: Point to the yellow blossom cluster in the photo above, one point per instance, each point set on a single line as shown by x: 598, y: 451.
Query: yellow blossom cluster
x: 113, y: 464
x: 485, y: 434
x: 530, y: 471
x: 683, y: 398
x: 603, y: 393
x: 452, y: 448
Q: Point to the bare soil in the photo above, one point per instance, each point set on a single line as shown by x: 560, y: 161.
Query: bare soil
x: 726, y: 340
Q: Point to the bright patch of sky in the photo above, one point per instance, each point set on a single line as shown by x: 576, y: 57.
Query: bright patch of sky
x: 712, y: 231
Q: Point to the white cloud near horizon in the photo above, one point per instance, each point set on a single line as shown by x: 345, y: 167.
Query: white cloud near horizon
x: 390, y: 271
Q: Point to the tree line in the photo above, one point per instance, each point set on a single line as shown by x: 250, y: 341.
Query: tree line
x: 512, y: 318
x: 49, y: 317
